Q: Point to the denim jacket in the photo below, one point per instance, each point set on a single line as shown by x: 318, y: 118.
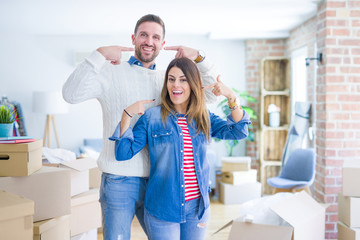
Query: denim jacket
x: 165, y: 192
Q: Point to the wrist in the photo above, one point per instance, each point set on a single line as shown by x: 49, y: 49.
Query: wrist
x: 231, y: 99
x: 200, y: 57
x: 233, y: 103
x: 127, y: 113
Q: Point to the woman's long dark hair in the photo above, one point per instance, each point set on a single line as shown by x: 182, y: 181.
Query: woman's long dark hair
x: 196, y: 109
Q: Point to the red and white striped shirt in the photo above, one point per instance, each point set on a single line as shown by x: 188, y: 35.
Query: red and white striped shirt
x: 192, y: 190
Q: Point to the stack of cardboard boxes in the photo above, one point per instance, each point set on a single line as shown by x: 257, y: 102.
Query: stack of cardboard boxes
x: 349, y: 202
x: 57, y: 198
x: 238, y: 181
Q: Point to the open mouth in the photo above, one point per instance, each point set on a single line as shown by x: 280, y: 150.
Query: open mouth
x: 177, y: 92
x: 148, y: 49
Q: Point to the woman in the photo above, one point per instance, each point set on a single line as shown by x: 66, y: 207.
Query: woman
x: 177, y: 133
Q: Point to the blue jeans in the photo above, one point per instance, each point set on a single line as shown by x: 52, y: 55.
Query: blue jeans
x: 193, y: 228
x: 121, y: 198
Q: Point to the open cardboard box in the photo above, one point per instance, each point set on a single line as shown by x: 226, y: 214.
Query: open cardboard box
x: 303, y: 213
x: 79, y: 173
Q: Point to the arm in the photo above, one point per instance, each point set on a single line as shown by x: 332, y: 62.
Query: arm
x: 129, y: 142
x: 229, y: 129
x: 85, y: 82
x: 236, y: 126
x: 220, y: 89
x: 207, y: 69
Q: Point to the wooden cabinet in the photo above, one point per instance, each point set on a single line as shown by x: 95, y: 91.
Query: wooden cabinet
x: 274, y: 89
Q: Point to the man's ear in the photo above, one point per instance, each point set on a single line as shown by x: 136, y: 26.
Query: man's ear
x: 162, y: 45
x: 133, y: 39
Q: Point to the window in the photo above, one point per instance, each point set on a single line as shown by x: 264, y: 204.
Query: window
x: 298, y: 77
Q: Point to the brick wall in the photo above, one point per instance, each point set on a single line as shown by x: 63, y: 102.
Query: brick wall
x: 336, y: 31
x: 338, y: 99
x: 256, y: 50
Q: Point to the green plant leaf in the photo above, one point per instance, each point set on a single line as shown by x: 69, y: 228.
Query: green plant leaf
x: 7, y: 115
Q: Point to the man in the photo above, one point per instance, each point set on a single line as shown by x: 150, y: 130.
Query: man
x: 116, y: 85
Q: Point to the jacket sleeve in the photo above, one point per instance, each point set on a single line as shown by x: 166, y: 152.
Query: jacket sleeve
x: 132, y: 141
x: 229, y: 129
x: 208, y: 76
x: 85, y: 82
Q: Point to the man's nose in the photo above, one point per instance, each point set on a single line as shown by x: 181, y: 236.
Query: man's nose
x: 148, y: 41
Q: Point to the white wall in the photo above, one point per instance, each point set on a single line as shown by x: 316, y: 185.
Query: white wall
x: 43, y: 62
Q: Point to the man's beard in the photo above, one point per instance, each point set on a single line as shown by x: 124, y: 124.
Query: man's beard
x: 142, y: 58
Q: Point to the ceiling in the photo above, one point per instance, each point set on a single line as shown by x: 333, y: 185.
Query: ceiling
x: 226, y: 19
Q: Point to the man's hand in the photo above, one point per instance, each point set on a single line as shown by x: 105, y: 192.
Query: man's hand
x: 183, y: 51
x: 113, y: 53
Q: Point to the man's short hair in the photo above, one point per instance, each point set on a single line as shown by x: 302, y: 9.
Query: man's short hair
x: 150, y: 18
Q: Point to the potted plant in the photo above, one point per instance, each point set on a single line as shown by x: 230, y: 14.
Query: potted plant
x: 231, y: 144
x: 7, y: 119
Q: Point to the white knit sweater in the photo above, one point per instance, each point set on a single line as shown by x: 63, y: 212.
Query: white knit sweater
x: 116, y: 87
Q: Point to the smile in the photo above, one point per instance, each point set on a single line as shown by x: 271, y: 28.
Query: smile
x: 177, y: 92
x: 148, y: 49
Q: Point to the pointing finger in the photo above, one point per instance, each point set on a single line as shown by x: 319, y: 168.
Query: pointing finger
x: 173, y: 48
x: 218, y: 78
x: 124, y: 49
x: 147, y: 101
x: 209, y: 86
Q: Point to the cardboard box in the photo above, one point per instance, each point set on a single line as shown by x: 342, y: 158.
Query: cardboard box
x: 20, y: 159
x: 239, y: 177
x: 346, y: 233
x: 79, y: 173
x: 349, y: 210
x: 16, y: 217
x: 303, y: 213
x: 230, y: 164
x: 95, y: 178
x: 53, y: 229
x: 237, y: 194
x: 90, y: 235
x: 350, y: 178
x: 48, y: 187
x: 85, y: 212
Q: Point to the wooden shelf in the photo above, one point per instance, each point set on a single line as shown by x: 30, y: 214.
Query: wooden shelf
x: 275, y: 89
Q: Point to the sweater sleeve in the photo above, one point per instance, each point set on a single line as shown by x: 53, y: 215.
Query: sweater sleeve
x: 208, y: 76
x: 84, y: 83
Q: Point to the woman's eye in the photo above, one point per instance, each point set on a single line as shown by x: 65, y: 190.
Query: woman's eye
x: 171, y: 80
x: 183, y: 80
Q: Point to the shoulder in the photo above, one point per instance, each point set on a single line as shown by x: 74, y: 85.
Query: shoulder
x: 153, y: 112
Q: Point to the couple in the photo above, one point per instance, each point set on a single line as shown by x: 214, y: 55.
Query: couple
x: 117, y: 86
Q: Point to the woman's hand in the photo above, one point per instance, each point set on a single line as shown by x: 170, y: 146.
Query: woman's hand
x: 138, y: 107
x: 220, y: 89
x: 135, y: 108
